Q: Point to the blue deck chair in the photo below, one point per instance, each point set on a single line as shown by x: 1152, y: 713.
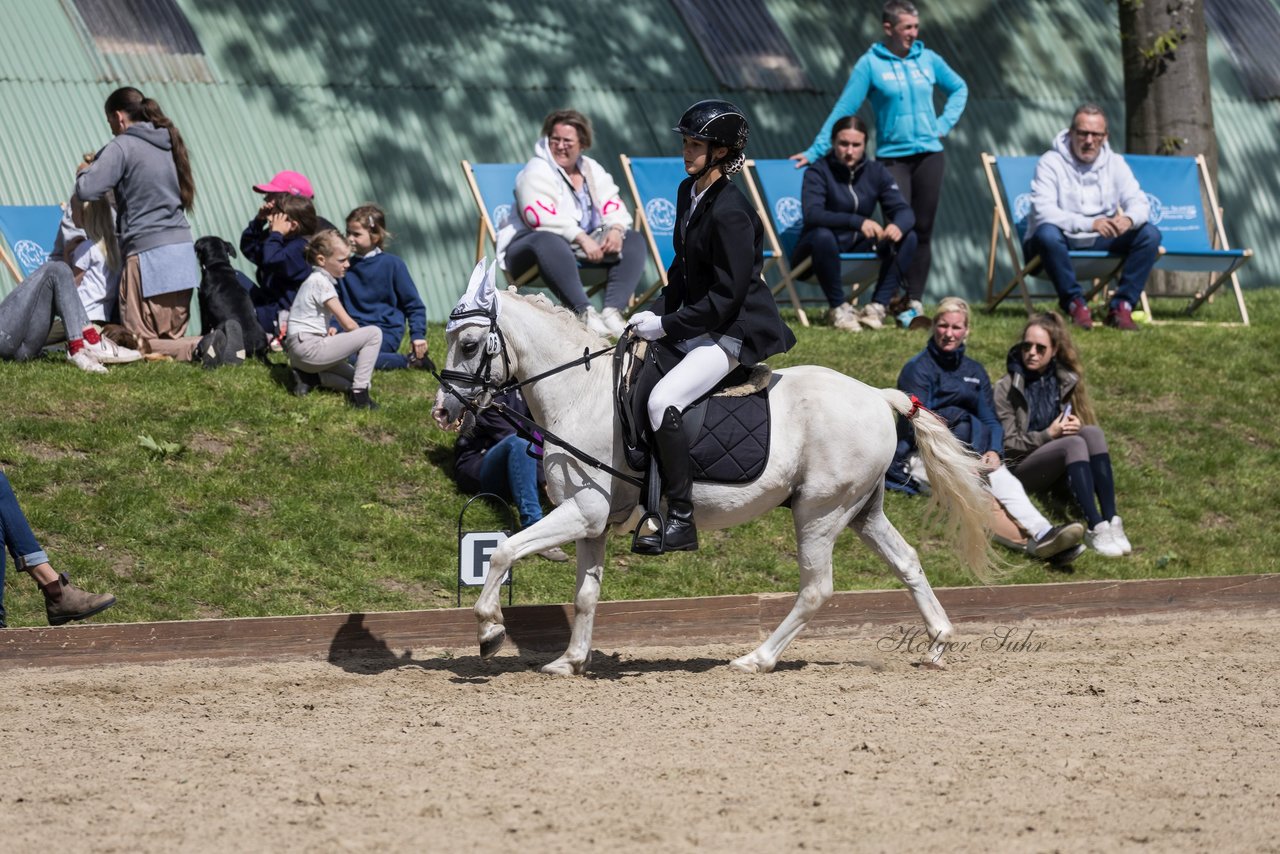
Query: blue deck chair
x: 29, y: 231
x: 1173, y: 186
x: 653, y: 182
x: 492, y: 188
x: 1009, y: 179
x: 780, y: 207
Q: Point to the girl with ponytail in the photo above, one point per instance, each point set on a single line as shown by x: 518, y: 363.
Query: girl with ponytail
x: 148, y: 168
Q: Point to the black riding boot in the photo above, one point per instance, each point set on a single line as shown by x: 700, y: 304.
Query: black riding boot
x: 679, y: 534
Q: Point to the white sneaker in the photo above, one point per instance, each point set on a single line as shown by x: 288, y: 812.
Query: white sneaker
x: 1101, y: 540
x: 872, y: 315
x: 613, y: 319
x: 843, y: 317
x: 1117, y: 534
x: 593, y: 321
x: 109, y: 352
x: 85, y: 362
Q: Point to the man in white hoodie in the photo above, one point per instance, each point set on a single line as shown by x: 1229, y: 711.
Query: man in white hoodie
x: 1084, y: 196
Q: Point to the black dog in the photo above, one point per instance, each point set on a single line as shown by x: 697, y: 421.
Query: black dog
x: 222, y: 298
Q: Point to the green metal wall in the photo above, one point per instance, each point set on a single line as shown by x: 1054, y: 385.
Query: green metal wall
x: 380, y: 102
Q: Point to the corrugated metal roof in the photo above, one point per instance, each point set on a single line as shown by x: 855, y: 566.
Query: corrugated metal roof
x: 380, y: 106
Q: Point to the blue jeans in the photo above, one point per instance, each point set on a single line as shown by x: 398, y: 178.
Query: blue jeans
x: 825, y: 246
x: 1140, y: 246
x: 508, y: 470
x: 19, y: 541
x: 26, y: 314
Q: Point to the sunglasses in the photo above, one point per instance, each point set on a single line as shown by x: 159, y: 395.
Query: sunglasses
x: 1028, y: 346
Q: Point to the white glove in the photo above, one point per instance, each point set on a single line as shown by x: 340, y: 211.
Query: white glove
x: 647, y: 325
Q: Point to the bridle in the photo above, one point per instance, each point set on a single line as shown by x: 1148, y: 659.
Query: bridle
x: 495, y: 344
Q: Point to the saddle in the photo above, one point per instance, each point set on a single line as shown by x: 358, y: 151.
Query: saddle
x: 727, y: 429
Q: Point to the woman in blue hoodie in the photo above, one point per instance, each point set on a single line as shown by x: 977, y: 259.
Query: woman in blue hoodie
x: 839, y: 195
x: 898, y: 76
x: 147, y: 165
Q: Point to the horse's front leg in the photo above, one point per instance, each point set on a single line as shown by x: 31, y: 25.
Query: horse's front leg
x: 563, y: 524
x: 587, y: 593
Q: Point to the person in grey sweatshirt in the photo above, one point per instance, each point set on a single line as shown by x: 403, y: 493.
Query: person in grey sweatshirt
x: 148, y: 167
x: 1084, y: 196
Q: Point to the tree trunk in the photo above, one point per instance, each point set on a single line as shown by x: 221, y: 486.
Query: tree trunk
x: 1168, y: 110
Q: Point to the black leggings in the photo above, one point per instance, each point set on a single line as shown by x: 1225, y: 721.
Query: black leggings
x: 919, y: 177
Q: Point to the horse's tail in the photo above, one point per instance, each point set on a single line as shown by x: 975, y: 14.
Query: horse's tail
x: 956, y: 494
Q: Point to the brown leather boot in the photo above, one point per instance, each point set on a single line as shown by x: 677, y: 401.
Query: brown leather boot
x: 64, y: 602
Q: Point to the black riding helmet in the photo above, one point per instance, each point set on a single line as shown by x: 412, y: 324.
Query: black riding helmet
x: 717, y: 122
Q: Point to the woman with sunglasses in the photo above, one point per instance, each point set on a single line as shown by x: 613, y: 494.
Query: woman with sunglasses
x: 1050, y: 431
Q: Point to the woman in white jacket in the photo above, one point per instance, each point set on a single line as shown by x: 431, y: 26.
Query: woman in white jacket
x: 568, y: 210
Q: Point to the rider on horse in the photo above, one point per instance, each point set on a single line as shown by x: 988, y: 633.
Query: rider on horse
x: 716, y: 312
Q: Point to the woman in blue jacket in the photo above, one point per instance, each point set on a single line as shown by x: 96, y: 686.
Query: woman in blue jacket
x: 840, y: 194
x: 898, y: 76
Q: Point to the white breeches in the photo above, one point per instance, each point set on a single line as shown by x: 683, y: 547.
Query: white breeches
x: 1009, y: 491
x: 704, y: 365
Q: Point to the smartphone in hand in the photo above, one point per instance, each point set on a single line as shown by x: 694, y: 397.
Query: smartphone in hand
x: 1066, y: 412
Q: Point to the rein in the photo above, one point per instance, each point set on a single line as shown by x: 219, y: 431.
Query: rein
x: 496, y: 344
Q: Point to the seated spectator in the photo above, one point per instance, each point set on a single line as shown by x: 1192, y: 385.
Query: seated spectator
x: 491, y: 457
x: 63, y: 600
x: 958, y: 390
x: 275, y: 241
x: 841, y: 191
x: 317, y: 356
x: 28, y: 314
x: 1050, y: 431
x: 568, y: 208
x: 1084, y: 196
x: 378, y: 290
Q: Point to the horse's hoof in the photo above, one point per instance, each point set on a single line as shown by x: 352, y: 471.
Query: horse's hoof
x: 562, y: 667
x: 926, y: 664
x: 746, y: 664
x: 491, y: 642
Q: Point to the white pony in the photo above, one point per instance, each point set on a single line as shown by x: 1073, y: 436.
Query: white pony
x: 832, y: 440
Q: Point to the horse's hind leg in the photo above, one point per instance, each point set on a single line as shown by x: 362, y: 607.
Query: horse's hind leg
x: 883, y: 538
x: 590, y: 570
x: 815, y: 538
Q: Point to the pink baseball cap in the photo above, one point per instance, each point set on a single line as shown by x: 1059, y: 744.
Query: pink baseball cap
x: 293, y: 183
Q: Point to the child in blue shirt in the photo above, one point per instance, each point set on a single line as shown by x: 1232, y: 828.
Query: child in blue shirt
x: 378, y: 290
x: 276, y: 242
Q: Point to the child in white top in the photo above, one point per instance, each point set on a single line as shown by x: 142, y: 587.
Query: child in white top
x: 318, y: 354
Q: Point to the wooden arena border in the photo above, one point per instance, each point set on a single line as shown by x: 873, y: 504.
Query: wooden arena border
x: 743, y: 619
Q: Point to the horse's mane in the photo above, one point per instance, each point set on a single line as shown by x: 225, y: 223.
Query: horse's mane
x: 566, y: 318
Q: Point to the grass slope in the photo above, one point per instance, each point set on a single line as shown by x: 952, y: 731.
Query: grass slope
x: 255, y: 503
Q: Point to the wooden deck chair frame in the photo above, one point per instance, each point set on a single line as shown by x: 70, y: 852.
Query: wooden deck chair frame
x: 643, y: 225
x: 1217, y: 235
x: 487, y: 234
x: 865, y: 267
x: 1107, y: 267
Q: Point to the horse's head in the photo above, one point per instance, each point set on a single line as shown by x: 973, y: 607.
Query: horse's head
x: 477, y: 361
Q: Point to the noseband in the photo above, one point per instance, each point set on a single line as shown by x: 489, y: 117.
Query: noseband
x: 495, y: 344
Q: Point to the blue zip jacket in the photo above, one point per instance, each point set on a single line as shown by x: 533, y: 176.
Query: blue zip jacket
x: 281, y: 261
x: 958, y: 389
x: 901, y: 92
x: 378, y: 291
x: 840, y: 199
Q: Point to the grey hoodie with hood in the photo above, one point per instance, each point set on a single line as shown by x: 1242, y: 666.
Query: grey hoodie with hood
x: 138, y: 165
x: 1071, y: 194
